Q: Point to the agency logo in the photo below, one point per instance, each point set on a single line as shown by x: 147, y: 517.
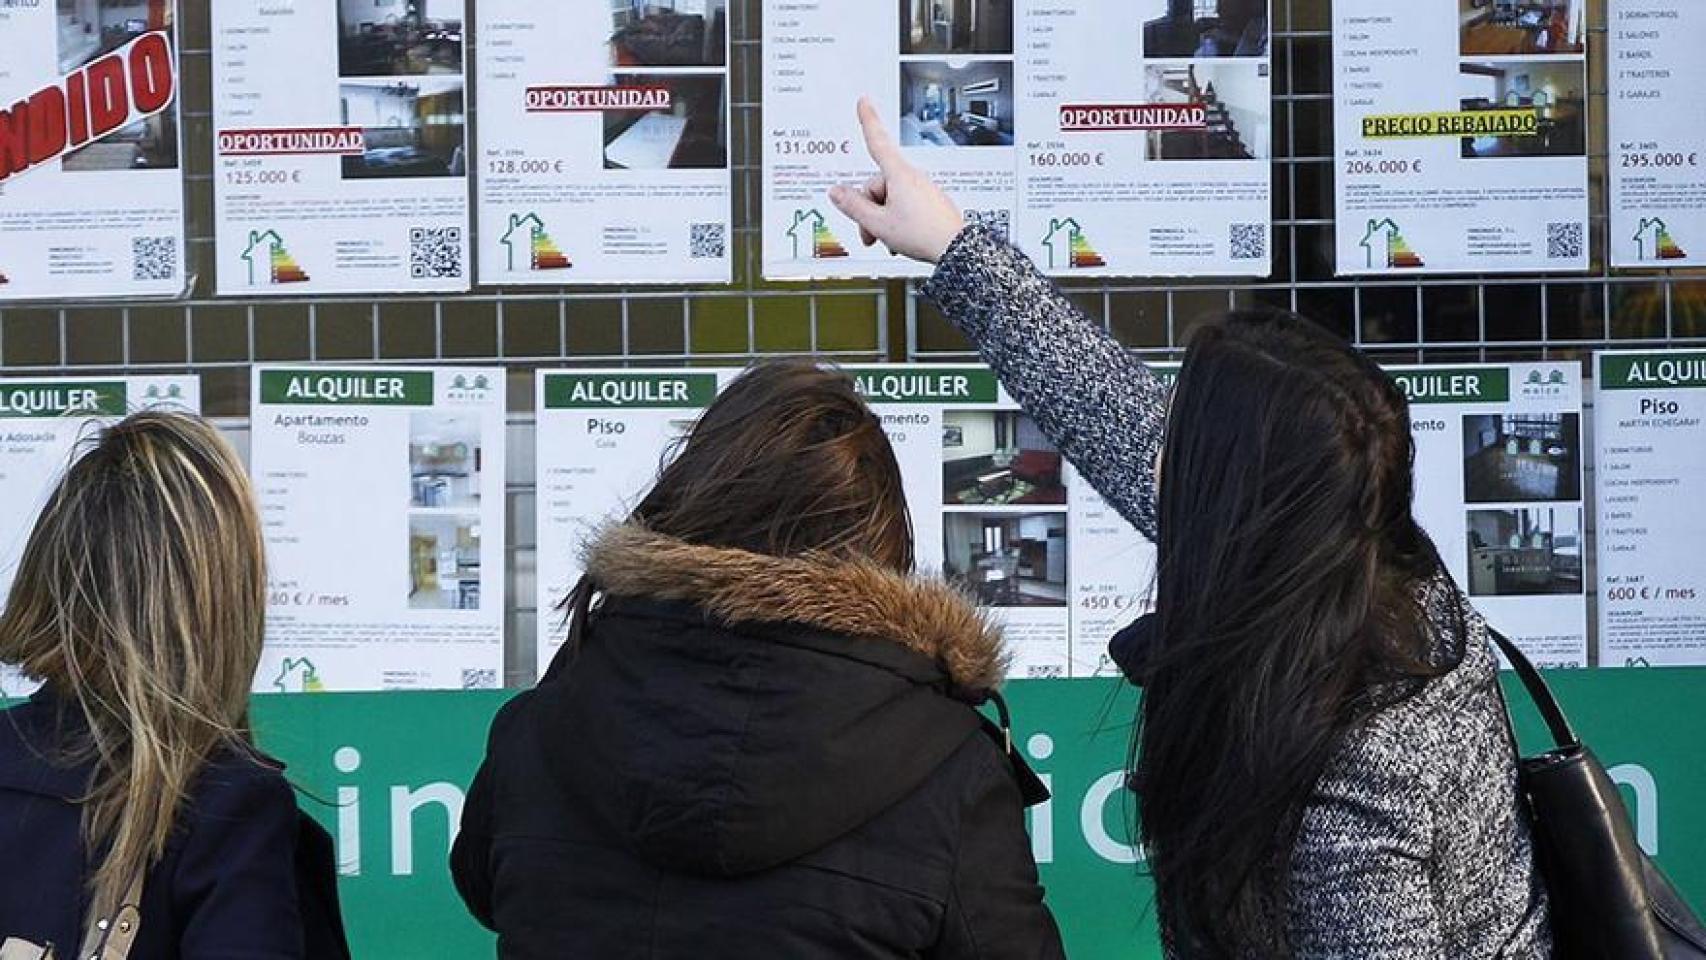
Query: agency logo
x: 469, y: 387
x: 156, y: 394
x: 1654, y: 242
x: 1394, y: 251
x: 298, y: 675
x: 526, y: 236
x: 1543, y: 383
x: 1066, y: 244
x: 810, y: 227
x: 266, y: 248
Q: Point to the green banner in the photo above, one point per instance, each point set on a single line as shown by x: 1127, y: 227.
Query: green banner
x: 59, y: 398
x: 616, y: 391
x: 1455, y: 384
x: 923, y: 384
x: 353, y: 388
x: 1649, y: 371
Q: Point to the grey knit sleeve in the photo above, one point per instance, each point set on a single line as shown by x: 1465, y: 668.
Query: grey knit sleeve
x: 1099, y: 404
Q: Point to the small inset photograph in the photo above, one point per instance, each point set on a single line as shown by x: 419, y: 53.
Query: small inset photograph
x: 669, y: 33
x: 1554, y: 89
x: 1208, y: 28
x: 411, y: 128
x: 956, y: 103
x: 150, y: 144
x: 1522, y: 457
x: 90, y: 28
x: 444, y: 460
x: 956, y: 26
x: 1514, y: 28
x: 444, y: 561
x: 1007, y: 559
x: 399, y: 38
x: 1234, y: 96
x: 1525, y: 552
x: 998, y: 458
x: 691, y: 134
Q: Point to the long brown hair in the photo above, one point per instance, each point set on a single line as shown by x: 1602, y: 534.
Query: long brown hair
x: 140, y: 601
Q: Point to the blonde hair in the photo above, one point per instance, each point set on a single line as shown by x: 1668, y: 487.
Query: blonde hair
x: 140, y: 600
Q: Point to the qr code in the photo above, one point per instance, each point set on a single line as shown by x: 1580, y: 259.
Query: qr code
x: 708, y: 241
x: 154, y: 258
x: 1249, y: 241
x: 485, y: 679
x: 999, y: 222
x: 1564, y: 240
x: 435, y: 252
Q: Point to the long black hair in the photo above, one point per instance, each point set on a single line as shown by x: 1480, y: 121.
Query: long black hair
x: 1287, y: 610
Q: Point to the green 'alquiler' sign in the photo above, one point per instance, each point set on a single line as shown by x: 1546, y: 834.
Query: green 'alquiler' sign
x: 352, y: 388
x: 1455, y: 384
x: 629, y: 391
x: 57, y: 398
x: 923, y: 384
x: 1649, y: 371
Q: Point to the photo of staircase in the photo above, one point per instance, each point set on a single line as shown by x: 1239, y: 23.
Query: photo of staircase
x: 1232, y: 94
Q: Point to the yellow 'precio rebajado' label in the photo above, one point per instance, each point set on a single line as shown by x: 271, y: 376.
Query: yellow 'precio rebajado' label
x: 1469, y: 123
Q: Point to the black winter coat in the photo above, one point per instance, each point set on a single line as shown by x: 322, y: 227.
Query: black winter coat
x: 752, y: 757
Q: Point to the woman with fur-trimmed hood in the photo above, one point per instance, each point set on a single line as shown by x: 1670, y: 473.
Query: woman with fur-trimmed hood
x: 760, y: 738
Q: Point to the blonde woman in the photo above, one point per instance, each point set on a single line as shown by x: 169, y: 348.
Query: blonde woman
x: 130, y: 781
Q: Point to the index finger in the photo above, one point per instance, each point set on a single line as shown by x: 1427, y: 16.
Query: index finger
x: 877, y: 140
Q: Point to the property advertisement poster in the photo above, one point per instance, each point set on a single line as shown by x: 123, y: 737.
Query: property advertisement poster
x: 42, y: 423
x: 1499, y: 481
x: 1051, y: 121
x: 382, y: 505
x: 91, y: 191
x: 340, y: 149
x: 1651, y: 481
x: 1658, y: 136
x: 604, y: 142
x: 1462, y: 134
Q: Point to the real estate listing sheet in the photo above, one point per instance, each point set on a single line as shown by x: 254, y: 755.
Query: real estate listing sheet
x: 382, y: 503
x: 604, y: 142
x: 1461, y: 131
x: 340, y: 148
x: 1657, y: 139
x: 91, y: 187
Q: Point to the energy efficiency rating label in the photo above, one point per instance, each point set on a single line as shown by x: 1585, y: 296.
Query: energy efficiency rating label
x: 1658, y: 133
x: 91, y: 194
x: 604, y: 142
x: 382, y: 505
x: 340, y: 156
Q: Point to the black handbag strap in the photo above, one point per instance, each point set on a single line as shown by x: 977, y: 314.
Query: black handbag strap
x: 1562, y: 733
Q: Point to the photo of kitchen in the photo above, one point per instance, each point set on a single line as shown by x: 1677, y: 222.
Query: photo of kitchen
x: 399, y: 38
x: 956, y: 103
x: 669, y: 33
x: 1517, y: 458
x: 1007, y: 559
x: 91, y: 28
x: 1553, y: 89
x: 692, y: 134
x: 956, y: 26
x: 998, y: 458
x: 1526, y: 552
x: 411, y: 128
x: 444, y: 561
x: 1234, y: 95
x: 1208, y: 28
x: 1497, y: 28
x: 444, y: 460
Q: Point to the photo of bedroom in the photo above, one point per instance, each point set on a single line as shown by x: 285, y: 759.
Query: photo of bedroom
x: 1234, y: 96
x: 444, y: 460
x: 998, y: 458
x: 411, y: 128
x: 399, y: 38
x: 956, y: 26
x: 1007, y: 559
x: 444, y: 562
x: 1208, y: 28
x: 90, y: 28
x: 1496, y: 28
x: 1528, y: 552
x: 956, y: 103
x: 692, y: 134
x: 1515, y: 458
x: 669, y: 33
x: 1553, y: 89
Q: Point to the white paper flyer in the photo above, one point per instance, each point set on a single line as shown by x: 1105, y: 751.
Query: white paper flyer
x: 1657, y: 141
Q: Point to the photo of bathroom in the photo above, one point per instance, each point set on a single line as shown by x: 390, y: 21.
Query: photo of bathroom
x: 1526, y: 552
x: 998, y: 458
x: 1518, y: 457
x: 444, y: 460
x: 444, y: 561
x: 1007, y: 559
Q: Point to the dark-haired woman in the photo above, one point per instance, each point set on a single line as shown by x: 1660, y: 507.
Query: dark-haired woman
x: 1323, y: 757
x: 759, y: 739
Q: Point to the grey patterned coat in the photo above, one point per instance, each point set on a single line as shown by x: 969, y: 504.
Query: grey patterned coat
x: 1413, y: 844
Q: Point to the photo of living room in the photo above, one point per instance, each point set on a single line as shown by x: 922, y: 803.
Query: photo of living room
x: 1496, y: 28
x: 669, y: 33
x: 89, y: 28
x: 1007, y: 559
x: 1207, y: 28
x: 1234, y: 96
x: 399, y: 38
x: 956, y: 26
x: 997, y: 458
x: 411, y: 128
x: 1527, y: 552
x: 692, y: 134
x: 956, y: 103
x: 444, y: 562
x: 1553, y: 89
x: 444, y: 460
x: 1516, y: 458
